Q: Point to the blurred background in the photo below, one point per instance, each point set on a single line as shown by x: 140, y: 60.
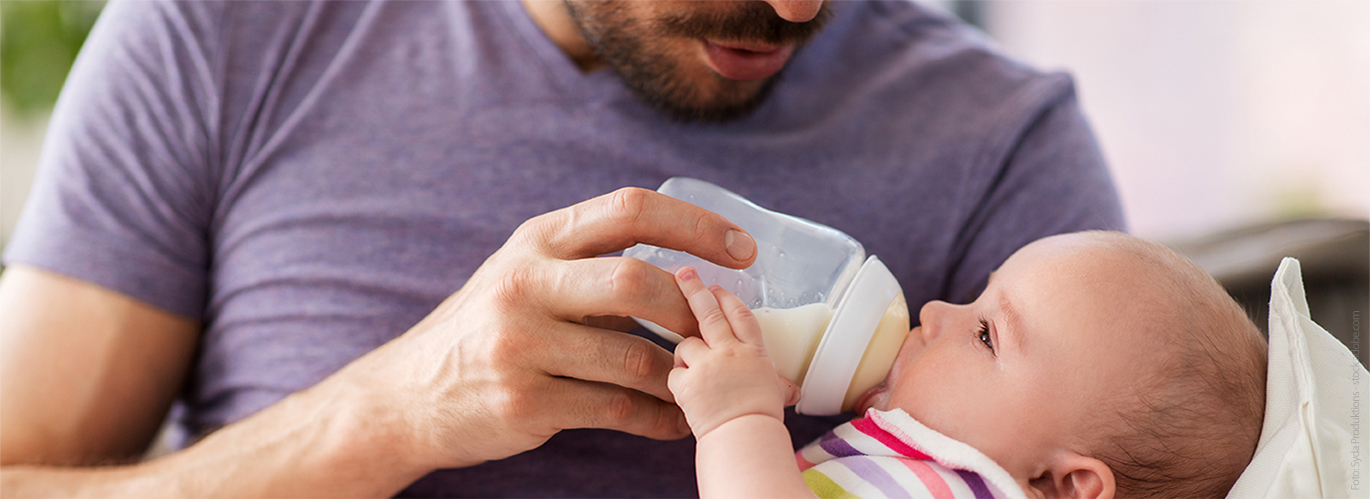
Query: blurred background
x: 1238, y: 131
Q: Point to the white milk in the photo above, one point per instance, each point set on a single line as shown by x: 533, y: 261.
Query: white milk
x: 792, y: 334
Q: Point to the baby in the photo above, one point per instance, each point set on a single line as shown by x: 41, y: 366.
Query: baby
x: 1093, y: 365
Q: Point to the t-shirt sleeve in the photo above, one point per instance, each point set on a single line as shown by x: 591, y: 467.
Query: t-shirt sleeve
x: 123, y: 195
x: 1054, y: 180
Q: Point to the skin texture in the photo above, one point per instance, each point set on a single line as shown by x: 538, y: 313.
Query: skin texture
x: 1023, y: 374
x: 100, y: 350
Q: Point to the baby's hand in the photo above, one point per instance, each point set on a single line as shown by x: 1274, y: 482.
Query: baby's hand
x: 726, y: 374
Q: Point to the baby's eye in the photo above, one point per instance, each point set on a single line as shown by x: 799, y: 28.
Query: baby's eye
x: 983, y: 334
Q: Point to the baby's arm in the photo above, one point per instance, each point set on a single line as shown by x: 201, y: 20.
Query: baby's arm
x: 733, y: 400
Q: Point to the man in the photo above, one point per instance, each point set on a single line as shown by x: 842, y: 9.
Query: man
x: 261, y: 212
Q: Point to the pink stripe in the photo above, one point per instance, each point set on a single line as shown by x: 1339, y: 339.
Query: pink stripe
x: 804, y: 464
x: 933, y: 481
x: 869, y: 428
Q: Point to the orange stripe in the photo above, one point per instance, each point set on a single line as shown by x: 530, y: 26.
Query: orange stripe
x: 931, y: 479
x: 804, y: 464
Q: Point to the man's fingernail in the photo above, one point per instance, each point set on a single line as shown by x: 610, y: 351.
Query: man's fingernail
x: 740, y: 245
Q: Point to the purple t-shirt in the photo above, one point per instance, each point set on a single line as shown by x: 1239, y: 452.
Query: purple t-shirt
x: 311, y: 179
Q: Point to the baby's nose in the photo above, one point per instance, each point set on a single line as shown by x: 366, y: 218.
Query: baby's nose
x: 918, y: 335
x: 928, y: 318
x: 926, y: 334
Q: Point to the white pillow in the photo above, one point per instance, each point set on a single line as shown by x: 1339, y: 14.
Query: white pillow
x: 1311, y: 443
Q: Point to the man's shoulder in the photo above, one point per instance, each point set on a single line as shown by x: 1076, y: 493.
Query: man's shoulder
x: 241, y: 27
x: 213, y: 28
x: 917, y: 58
x: 914, y: 32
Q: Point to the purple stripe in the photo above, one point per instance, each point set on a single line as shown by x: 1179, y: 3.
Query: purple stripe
x: 867, y: 470
x: 837, y: 446
x: 976, y: 484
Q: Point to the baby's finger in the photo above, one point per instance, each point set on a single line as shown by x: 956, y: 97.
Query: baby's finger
x: 744, y: 324
x: 690, y: 350
x: 713, y: 325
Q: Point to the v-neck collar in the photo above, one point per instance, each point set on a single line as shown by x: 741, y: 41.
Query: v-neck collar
x: 596, y: 86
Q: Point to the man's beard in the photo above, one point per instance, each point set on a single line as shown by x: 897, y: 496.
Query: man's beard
x: 638, y: 51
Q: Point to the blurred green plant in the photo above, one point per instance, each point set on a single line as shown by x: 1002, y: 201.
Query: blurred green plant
x: 39, y: 40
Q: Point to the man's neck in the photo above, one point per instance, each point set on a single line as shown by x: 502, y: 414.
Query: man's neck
x: 556, y: 22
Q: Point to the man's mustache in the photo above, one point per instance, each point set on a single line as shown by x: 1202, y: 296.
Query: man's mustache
x: 752, y: 22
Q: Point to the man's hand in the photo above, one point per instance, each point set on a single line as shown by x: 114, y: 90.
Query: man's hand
x: 726, y: 374
x: 512, y: 358
x: 497, y: 369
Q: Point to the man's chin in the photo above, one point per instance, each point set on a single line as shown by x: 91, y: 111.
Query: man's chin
x: 722, y: 100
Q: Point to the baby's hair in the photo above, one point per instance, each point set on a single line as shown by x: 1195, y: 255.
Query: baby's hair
x: 1192, y: 424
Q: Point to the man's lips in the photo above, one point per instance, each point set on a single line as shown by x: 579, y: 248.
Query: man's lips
x: 746, y: 60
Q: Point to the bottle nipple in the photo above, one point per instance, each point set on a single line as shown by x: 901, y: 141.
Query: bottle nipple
x: 880, y: 354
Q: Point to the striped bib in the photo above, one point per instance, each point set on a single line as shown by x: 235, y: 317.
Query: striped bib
x: 889, y: 454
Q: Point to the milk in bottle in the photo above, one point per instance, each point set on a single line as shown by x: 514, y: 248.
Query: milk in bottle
x: 832, y: 318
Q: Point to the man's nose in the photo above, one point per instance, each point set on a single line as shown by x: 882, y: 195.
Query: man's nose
x: 796, y: 11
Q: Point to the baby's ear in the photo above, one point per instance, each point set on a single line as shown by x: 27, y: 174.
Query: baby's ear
x: 1075, y: 476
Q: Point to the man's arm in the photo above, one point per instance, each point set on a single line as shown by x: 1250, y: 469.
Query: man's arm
x: 87, y: 375
x: 127, y: 198
x: 498, y: 368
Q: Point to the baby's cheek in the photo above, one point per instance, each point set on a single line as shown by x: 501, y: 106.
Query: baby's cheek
x: 925, y: 392
x: 949, y: 397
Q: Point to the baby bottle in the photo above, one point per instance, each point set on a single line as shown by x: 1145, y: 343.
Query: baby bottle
x: 832, y: 318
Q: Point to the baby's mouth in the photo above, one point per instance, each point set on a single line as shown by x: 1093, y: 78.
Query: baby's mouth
x: 866, y: 400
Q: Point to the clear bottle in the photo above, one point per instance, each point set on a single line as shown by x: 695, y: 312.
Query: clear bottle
x: 833, y: 319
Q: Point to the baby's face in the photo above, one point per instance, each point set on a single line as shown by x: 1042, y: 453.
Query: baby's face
x: 1018, y: 372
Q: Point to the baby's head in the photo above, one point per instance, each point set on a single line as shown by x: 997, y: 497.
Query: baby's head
x: 1094, y: 364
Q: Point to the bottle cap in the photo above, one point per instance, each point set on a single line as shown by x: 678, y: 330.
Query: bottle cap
x: 844, y: 343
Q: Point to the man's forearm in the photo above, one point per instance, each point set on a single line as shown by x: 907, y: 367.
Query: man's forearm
x: 329, y: 440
